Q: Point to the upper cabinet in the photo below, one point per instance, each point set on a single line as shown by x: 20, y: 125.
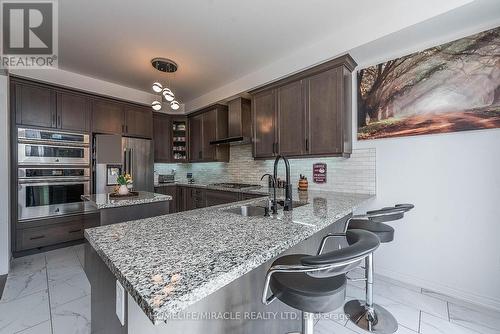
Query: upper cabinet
x: 107, y: 117
x: 113, y: 117
x: 162, y: 130
x: 291, y: 132
x: 47, y: 106
x: 73, y: 111
x: 264, y: 123
x: 205, y: 126
x: 138, y: 121
x: 307, y: 114
x: 35, y: 105
x: 196, y: 138
x: 170, y: 138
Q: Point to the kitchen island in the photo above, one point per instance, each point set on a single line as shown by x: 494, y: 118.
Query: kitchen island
x: 119, y: 209
x: 203, y: 271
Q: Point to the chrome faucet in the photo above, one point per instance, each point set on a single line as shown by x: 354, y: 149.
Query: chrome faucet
x: 287, y: 204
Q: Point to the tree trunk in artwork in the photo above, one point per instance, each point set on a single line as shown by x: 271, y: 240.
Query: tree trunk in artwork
x: 496, y: 96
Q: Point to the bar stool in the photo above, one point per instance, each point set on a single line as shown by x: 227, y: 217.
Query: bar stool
x: 316, y: 283
x: 366, y: 314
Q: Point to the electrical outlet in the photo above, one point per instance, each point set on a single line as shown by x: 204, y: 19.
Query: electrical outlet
x: 120, y: 303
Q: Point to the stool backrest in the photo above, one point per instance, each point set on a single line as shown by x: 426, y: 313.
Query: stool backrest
x: 340, y: 261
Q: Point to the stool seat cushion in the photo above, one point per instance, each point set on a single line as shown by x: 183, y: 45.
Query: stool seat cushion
x: 307, y: 293
x: 383, y: 231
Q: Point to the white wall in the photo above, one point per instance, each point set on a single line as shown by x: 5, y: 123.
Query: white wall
x: 450, y: 241
x: 4, y: 177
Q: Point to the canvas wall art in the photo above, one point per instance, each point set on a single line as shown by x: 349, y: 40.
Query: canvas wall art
x: 447, y: 88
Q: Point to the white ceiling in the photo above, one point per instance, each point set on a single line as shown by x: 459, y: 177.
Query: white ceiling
x: 215, y: 42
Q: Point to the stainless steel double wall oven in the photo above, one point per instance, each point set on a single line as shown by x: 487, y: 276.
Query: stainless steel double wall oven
x: 53, y: 172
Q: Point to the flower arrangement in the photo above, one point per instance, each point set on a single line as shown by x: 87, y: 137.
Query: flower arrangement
x: 124, y: 179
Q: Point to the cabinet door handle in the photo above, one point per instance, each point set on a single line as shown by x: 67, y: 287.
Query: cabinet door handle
x: 59, y: 123
x: 54, y: 120
x: 75, y: 231
x: 126, y: 128
x: 307, y: 144
x: 37, y: 237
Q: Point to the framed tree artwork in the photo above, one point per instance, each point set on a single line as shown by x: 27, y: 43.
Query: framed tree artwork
x: 447, y: 88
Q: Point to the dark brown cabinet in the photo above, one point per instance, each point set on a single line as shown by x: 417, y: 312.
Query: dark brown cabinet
x: 264, y: 124
x: 196, y: 138
x: 128, y: 119
x: 107, y: 117
x: 45, y: 106
x: 326, y: 123
x: 138, y: 121
x: 52, y: 231
x: 35, y: 105
x: 218, y: 197
x: 291, y: 136
x: 306, y: 114
x: 162, y: 134
x: 206, y: 126
x: 170, y: 190
x: 73, y: 111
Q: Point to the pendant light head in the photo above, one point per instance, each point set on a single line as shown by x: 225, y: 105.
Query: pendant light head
x: 164, y: 65
x: 156, y: 105
x: 174, y: 105
x: 157, y: 87
x: 168, y: 95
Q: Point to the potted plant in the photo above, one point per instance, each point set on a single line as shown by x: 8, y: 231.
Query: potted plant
x: 124, y: 180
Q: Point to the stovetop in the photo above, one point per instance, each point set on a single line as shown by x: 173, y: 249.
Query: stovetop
x: 234, y: 185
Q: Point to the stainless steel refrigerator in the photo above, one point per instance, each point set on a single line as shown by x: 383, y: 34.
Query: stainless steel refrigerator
x: 114, y: 155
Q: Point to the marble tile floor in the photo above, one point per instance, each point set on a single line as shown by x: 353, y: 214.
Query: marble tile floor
x: 49, y: 293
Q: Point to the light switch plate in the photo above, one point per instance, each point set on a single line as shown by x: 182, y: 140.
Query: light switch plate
x: 120, y: 303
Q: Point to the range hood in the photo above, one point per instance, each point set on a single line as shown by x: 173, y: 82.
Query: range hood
x: 239, y: 123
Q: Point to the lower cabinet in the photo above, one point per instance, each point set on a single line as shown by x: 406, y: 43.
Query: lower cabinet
x: 217, y: 197
x: 245, y: 197
x: 189, y: 198
x: 53, y: 231
x: 171, y: 191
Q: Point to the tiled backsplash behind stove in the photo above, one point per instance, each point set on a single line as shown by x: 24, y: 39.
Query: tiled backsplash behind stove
x: 356, y: 174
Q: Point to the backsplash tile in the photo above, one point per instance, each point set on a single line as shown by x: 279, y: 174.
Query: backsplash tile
x: 356, y: 174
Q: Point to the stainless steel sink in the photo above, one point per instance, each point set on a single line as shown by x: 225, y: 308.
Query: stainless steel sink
x: 248, y: 210
x: 258, y: 210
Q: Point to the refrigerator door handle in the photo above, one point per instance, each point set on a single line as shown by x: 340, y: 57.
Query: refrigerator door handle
x: 124, y: 161
x: 130, y: 157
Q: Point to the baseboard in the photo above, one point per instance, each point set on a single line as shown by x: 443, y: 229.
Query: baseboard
x: 441, y: 288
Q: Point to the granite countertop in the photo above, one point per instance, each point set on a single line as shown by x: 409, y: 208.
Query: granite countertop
x: 167, y: 263
x: 104, y: 201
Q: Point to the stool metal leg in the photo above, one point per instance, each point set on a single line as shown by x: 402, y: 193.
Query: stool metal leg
x: 367, y: 315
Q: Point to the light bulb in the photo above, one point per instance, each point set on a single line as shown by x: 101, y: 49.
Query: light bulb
x: 174, y: 105
x: 168, y: 95
x: 156, y: 105
x: 157, y: 87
